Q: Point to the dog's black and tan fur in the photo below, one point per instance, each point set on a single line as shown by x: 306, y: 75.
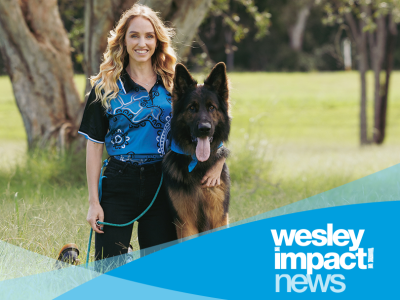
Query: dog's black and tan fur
x: 199, y: 111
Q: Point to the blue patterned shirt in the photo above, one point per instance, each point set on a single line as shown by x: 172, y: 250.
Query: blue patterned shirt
x: 135, y: 128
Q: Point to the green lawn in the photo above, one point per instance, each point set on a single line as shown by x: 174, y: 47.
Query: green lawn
x: 293, y: 135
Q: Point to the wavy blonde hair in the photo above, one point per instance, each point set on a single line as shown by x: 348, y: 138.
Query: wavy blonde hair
x: 116, y: 57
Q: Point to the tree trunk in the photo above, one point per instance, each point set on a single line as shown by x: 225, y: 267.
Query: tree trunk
x: 100, y: 18
x: 296, y: 32
x: 390, y: 47
x: 360, y: 36
x: 36, y: 52
x: 347, y: 54
x: 362, y: 67
x: 185, y: 17
x: 377, y: 43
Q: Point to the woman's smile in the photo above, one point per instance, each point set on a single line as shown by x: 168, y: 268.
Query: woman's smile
x: 142, y: 51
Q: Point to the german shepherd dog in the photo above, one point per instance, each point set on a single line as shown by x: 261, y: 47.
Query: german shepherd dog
x: 199, y: 126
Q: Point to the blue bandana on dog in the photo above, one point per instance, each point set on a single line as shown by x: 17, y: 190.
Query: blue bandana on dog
x: 193, y: 163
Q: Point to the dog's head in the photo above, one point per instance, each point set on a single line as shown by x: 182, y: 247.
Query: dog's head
x: 200, y: 112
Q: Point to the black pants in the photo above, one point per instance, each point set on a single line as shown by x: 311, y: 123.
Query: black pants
x: 127, y: 192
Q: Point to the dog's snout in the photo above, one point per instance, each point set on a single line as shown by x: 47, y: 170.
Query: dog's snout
x: 204, y: 127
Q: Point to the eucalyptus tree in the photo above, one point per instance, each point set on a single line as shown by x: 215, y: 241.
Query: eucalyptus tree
x: 373, y: 26
x: 36, y: 52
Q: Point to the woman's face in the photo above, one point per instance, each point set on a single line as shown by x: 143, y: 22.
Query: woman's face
x: 140, y: 40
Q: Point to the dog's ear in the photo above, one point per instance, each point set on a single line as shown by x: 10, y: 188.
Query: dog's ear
x: 218, y: 81
x: 183, y: 81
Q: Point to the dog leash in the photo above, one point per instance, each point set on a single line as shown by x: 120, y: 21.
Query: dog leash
x: 105, y: 163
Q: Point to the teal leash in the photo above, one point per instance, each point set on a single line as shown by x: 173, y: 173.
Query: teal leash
x: 105, y: 163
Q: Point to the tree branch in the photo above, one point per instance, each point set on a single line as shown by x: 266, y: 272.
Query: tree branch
x: 353, y: 26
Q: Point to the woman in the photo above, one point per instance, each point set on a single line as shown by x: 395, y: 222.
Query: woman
x: 129, y: 109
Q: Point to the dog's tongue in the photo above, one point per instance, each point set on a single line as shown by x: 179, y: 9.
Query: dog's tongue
x: 203, y: 149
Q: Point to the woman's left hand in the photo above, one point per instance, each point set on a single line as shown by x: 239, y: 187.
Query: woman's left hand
x: 213, y: 175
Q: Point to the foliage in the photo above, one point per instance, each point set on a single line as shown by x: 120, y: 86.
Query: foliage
x: 230, y: 9
x: 260, y: 30
x: 335, y: 11
x: 272, y: 52
x: 374, y: 30
x: 72, y: 15
x: 236, y: 18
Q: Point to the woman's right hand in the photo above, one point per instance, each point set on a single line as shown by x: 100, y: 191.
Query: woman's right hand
x: 95, y: 213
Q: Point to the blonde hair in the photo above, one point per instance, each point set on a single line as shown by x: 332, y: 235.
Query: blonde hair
x: 116, y: 57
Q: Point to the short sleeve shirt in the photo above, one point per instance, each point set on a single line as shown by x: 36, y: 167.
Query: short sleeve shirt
x: 136, y: 125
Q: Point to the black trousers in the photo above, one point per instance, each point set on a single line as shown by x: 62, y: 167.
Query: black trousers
x: 127, y: 192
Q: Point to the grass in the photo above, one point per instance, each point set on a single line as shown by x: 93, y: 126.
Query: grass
x: 293, y: 135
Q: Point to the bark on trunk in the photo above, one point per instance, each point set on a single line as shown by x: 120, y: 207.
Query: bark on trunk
x: 36, y: 52
x: 360, y: 38
x: 390, y: 47
x: 186, y: 17
x: 101, y: 16
x: 381, y: 46
x: 363, y: 66
x: 377, y: 43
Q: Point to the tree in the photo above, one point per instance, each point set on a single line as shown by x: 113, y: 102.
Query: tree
x: 297, y: 25
x: 185, y: 16
x: 373, y: 27
x: 36, y: 51
x: 230, y: 21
